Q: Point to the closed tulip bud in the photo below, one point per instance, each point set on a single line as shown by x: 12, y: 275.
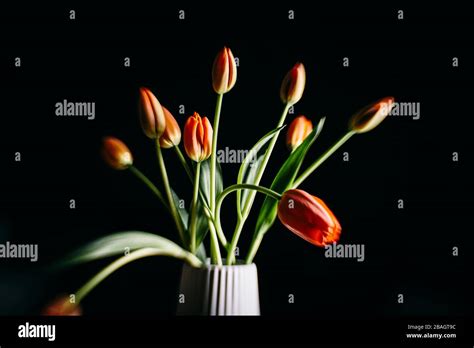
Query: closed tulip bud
x: 224, y: 71
x: 371, y: 116
x: 152, y: 117
x: 172, y: 134
x: 116, y: 153
x: 298, y: 131
x: 198, y: 138
x: 292, y: 87
x: 308, y: 217
x: 62, y: 306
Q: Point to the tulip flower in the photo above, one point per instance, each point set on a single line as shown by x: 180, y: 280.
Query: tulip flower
x: 152, y: 117
x: 293, y: 84
x: 224, y: 71
x: 116, y: 154
x: 308, y: 217
x: 298, y: 131
x: 371, y: 116
x: 198, y: 138
x: 62, y: 306
x: 172, y: 134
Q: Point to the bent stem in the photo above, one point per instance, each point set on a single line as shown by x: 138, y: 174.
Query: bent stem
x: 258, y: 239
x: 148, y: 183
x: 251, y: 196
x: 166, y: 184
x: 322, y: 158
x: 135, y: 255
x: 269, y: 192
x: 207, y: 209
x: 193, y: 208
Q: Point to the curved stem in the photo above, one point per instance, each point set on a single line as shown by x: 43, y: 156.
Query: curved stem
x: 322, y: 158
x: 251, y: 196
x: 207, y: 210
x: 220, y: 199
x: 182, y: 159
x: 169, y: 195
x: 148, y: 183
x: 193, y: 208
x: 135, y: 255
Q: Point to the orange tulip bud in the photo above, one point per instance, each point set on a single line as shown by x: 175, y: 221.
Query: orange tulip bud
x: 172, y: 134
x: 308, y: 217
x: 198, y: 138
x: 298, y: 131
x: 292, y: 87
x: 224, y: 71
x: 371, y: 116
x: 62, y: 306
x: 152, y: 117
x: 116, y: 153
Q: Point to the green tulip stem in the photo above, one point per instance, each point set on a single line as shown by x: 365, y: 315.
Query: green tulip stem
x: 322, y: 158
x: 193, y: 208
x: 207, y: 210
x: 149, y: 184
x: 169, y: 195
x: 134, y: 255
x: 183, y: 162
x: 220, y: 199
x: 215, y: 131
x: 251, y: 196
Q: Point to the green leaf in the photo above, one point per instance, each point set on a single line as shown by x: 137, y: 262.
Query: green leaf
x: 283, y: 180
x: 205, y: 180
x: 250, y: 166
x: 121, y: 243
x: 201, y: 253
x: 183, y: 213
x: 202, y: 224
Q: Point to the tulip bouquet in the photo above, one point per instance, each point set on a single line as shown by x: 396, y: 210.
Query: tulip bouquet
x: 302, y: 213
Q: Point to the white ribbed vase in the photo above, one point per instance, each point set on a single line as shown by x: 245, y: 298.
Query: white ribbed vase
x: 219, y: 290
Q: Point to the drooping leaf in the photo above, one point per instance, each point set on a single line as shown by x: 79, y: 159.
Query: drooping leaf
x: 121, y: 243
x: 251, y: 164
x: 283, y: 180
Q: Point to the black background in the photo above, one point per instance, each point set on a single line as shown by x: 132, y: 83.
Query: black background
x: 408, y: 251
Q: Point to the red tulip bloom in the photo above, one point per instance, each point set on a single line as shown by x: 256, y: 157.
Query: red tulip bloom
x: 152, y: 117
x: 172, y: 134
x: 298, y: 131
x: 224, y: 71
x: 62, y: 306
x: 198, y: 138
x: 308, y: 217
x: 372, y: 115
x: 116, y: 154
x: 293, y: 84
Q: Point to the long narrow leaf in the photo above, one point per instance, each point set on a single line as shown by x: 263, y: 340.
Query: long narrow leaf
x: 283, y: 180
x: 119, y: 244
x: 250, y: 166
